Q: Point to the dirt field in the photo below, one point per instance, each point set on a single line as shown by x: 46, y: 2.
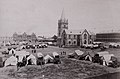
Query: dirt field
x: 69, y: 69
x: 51, y: 49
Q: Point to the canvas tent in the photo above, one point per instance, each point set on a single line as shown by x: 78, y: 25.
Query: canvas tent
x: 78, y: 52
x: 48, y: 59
x: 11, y: 61
x: 55, y: 54
x: 88, y: 57
x: 107, y: 58
x: 22, y: 47
x: 56, y: 58
x: 12, y: 51
x: 103, y: 53
x: 40, y: 54
x: 21, y: 54
x: 40, y: 59
x: 70, y: 55
x: 33, y: 59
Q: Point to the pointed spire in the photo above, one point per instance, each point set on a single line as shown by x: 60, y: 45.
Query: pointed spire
x: 63, y: 15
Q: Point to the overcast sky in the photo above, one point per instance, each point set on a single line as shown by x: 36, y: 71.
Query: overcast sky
x: 41, y: 16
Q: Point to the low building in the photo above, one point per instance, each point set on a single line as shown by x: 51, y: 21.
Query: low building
x: 24, y: 37
x: 108, y: 37
x: 6, y: 39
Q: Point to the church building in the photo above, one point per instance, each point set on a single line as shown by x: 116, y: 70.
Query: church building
x: 72, y: 38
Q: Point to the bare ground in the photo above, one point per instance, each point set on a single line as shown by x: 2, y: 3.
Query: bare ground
x: 69, y: 69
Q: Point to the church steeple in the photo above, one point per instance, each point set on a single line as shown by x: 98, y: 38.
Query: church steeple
x: 62, y: 24
x: 62, y: 15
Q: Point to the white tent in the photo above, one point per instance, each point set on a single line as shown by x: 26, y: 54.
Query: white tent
x: 107, y: 58
x: 103, y: 53
x: 40, y: 54
x: 20, y: 58
x: 22, y: 47
x: 11, y: 61
x: 12, y: 51
x: 88, y: 57
x: 21, y: 54
x: 55, y: 54
x: 78, y: 52
x: 33, y: 59
x: 48, y: 58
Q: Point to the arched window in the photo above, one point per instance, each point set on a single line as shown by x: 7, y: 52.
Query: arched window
x: 69, y: 42
x: 85, y: 42
x: 85, y: 36
x: 74, y: 42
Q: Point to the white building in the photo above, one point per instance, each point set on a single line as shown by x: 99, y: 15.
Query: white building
x: 69, y: 38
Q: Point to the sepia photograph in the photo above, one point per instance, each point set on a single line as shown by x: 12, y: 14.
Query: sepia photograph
x: 59, y: 39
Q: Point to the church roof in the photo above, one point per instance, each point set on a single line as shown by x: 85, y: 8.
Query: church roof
x: 74, y: 31
x: 78, y: 32
x: 91, y: 33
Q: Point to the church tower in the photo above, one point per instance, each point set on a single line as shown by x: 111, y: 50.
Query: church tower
x: 62, y: 24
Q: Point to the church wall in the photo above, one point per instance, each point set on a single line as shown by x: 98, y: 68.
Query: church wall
x: 71, y: 39
x: 85, y: 38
